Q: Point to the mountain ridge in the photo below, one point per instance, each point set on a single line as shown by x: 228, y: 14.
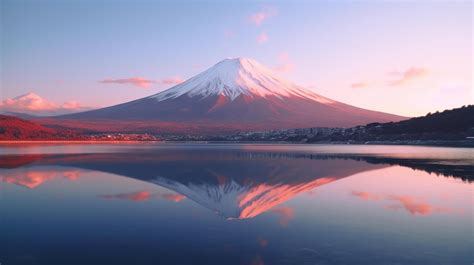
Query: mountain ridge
x: 234, y: 95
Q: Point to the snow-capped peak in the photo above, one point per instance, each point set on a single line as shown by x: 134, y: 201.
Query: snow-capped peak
x: 233, y: 77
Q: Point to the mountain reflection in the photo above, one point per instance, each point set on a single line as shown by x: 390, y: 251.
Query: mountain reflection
x: 236, y: 184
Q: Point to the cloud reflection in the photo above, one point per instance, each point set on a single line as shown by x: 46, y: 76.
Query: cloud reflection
x: 286, y: 214
x: 257, y: 260
x: 416, y: 206
x: 36, y: 177
x: 411, y: 204
x: 366, y: 195
x: 144, y: 195
x: 134, y: 196
x: 262, y: 242
x: 173, y: 197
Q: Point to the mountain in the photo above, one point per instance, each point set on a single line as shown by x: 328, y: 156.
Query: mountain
x: 235, y: 94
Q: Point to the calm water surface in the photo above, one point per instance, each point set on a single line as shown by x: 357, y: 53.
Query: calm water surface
x: 235, y: 204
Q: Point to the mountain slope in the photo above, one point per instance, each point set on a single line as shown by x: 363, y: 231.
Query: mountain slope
x: 234, y: 94
x: 12, y: 128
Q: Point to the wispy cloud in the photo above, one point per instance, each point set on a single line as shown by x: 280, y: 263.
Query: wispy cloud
x: 262, y: 38
x: 143, y: 82
x: 359, y: 85
x: 32, y: 103
x: 171, y: 80
x: 367, y: 196
x: 136, y: 81
x: 259, y: 17
x: 398, y: 78
x: 407, y: 75
x: 285, y: 64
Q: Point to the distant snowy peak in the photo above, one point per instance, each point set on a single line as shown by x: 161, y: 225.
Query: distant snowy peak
x: 238, y: 76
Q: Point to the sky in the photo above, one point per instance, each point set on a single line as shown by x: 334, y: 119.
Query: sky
x: 402, y: 57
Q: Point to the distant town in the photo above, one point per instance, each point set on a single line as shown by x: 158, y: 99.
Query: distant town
x: 449, y: 128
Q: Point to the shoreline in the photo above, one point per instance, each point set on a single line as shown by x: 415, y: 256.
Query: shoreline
x: 19, y: 142
x: 440, y: 143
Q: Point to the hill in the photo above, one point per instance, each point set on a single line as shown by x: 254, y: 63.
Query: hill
x: 449, y: 125
x: 14, y: 128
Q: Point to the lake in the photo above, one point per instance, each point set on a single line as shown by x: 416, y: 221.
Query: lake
x: 242, y: 204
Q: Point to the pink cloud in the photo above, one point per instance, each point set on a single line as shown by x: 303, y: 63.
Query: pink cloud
x: 72, y: 105
x: 29, y: 101
x: 172, y: 80
x: 366, y: 195
x: 262, y: 38
x: 261, y: 16
x: 407, y: 75
x: 359, y: 85
x: 143, y: 82
x: 285, y: 64
x: 32, y: 103
x: 136, y: 81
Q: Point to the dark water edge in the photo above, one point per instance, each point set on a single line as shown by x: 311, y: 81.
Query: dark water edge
x: 443, y: 143
x: 440, y: 143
